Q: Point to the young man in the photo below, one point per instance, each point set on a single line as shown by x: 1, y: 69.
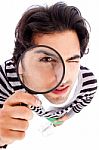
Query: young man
x: 63, y: 28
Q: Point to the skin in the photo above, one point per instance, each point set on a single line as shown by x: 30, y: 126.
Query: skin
x: 67, y: 45
x: 16, y: 116
x: 35, y: 70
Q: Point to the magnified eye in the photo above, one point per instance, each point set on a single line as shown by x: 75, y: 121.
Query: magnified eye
x: 47, y: 59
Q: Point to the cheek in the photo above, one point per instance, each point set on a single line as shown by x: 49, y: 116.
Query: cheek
x: 75, y: 71
x: 72, y: 71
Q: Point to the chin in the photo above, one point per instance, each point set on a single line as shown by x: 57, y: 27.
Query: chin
x: 56, y: 99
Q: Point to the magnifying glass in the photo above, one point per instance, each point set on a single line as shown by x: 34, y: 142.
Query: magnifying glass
x: 40, y: 69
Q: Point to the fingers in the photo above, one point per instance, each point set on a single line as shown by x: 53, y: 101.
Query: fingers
x: 22, y: 97
x: 14, y: 117
x: 14, y: 124
x: 20, y: 112
x: 10, y: 135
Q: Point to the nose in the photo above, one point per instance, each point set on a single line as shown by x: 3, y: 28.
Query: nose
x: 66, y: 75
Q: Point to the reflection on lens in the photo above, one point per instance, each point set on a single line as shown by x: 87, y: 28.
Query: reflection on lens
x: 40, y: 69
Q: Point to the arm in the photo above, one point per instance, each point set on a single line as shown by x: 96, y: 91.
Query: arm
x: 85, y: 95
x: 13, y: 117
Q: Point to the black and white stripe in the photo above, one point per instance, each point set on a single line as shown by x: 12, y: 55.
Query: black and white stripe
x: 87, y: 87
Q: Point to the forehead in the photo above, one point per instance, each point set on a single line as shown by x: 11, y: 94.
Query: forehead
x: 66, y: 43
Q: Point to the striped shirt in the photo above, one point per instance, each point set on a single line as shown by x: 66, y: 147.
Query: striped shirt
x: 86, y: 88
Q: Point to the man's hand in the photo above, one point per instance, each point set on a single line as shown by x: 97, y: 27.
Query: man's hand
x: 14, y: 117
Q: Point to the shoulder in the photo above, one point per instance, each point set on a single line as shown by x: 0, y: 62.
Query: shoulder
x: 86, y: 89
x: 9, y: 81
x: 86, y: 71
x: 12, y: 76
x: 88, y: 83
x: 5, y: 87
x: 6, y: 68
x: 7, y: 64
x: 88, y: 77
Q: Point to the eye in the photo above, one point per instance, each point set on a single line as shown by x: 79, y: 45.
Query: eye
x: 47, y: 59
x: 74, y: 61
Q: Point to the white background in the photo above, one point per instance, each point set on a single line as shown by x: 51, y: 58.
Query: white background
x: 81, y: 131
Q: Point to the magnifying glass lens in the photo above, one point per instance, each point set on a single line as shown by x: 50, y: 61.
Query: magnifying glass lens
x: 40, y: 69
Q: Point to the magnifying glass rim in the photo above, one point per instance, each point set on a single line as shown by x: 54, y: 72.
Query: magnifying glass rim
x: 32, y: 91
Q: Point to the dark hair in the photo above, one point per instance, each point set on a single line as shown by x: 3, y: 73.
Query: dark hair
x: 46, y: 20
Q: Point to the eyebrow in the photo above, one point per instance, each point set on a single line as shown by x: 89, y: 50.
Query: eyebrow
x: 53, y: 55
x: 74, y: 57
x: 46, y: 53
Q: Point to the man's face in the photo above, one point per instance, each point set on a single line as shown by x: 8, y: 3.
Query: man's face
x: 67, y: 45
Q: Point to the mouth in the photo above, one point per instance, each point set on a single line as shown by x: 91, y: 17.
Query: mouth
x: 61, y: 89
